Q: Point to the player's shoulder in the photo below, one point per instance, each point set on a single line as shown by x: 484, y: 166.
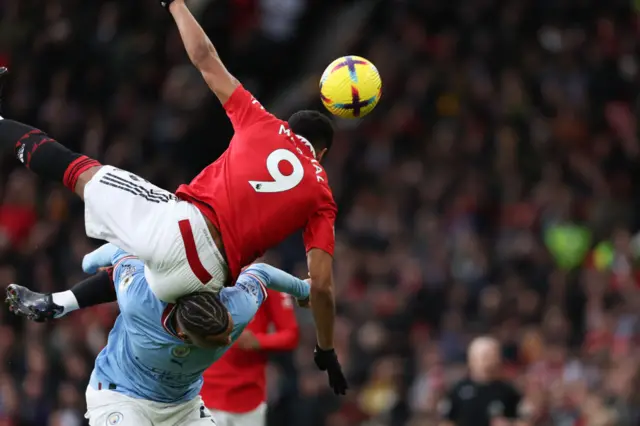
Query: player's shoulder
x: 324, y: 197
x: 241, y: 97
x: 246, y: 113
x: 318, y: 178
x: 126, y: 270
x: 134, y: 295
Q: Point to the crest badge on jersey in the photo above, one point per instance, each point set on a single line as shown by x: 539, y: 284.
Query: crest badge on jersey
x: 181, y: 351
x: 114, y: 418
x: 126, y: 276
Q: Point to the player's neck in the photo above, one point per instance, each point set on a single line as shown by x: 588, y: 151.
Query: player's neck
x: 308, y: 145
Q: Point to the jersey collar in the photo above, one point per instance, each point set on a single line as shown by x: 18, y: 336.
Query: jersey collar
x: 167, y: 316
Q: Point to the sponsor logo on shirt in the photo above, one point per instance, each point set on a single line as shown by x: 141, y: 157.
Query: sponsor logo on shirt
x: 255, y: 290
x: 251, y: 289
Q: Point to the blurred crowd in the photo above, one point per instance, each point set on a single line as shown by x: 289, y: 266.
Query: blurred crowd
x: 492, y: 191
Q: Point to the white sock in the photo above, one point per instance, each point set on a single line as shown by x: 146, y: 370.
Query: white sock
x: 1, y: 118
x: 67, y: 300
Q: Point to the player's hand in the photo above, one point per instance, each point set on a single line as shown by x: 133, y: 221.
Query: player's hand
x: 327, y: 360
x: 304, y: 303
x: 248, y: 341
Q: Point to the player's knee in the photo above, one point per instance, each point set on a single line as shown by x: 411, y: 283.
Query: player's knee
x: 84, y: 178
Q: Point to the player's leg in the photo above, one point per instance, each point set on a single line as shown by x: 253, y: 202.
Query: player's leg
x: 111, y: 408
x: 128, y: 211
x: 46, y: 157
x: 170, y: 235
x: 120, y: 207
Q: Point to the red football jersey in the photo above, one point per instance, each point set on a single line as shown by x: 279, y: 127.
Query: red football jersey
x: 264, y: 187
x: 236, y: 383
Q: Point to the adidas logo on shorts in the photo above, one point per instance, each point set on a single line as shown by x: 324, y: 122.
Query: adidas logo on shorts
x: 20, y: 154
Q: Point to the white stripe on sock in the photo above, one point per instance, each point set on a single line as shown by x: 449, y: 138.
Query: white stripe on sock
x: 67, y: 300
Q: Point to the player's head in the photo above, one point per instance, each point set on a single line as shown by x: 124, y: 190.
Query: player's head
x: 203, y: 320
x: 314, y: 127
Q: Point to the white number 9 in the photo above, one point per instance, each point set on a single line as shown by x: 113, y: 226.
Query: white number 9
x: 280, y: 182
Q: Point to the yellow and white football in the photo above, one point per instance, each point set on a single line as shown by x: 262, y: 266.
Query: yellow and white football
x: 350, y: 87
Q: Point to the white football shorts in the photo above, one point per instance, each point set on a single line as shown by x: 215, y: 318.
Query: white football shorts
x: 168, y: 234
x: 257, y: 417
x: 106, y: 408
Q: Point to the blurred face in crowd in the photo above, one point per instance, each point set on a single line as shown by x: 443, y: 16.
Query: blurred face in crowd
x: 484, y: 359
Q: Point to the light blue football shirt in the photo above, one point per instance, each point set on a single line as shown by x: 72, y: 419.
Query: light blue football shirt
x: 144, y: 358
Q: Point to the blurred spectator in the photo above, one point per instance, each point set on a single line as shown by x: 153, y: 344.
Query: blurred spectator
x: 483, y: 398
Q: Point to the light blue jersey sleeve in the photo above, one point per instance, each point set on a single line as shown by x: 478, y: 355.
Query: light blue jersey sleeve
x: 138, y: 305
x: 129, y: 281
x: 250, y: 291
x: 105, y: 256
x: 278, y: 280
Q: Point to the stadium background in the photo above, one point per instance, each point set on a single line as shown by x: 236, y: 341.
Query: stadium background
x: 493, y: 190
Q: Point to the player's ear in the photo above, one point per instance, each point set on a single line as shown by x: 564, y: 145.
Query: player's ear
x: 179, y: 330
x: 321, y: 154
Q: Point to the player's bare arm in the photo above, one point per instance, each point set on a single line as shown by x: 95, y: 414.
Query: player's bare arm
x: 322, y: 300
x: 322, y: 296
x: 202, y: 53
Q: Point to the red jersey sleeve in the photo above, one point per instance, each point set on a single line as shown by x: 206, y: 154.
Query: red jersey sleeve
x: 243, y: 109
x: 319, y: 232
x: 279, y: 310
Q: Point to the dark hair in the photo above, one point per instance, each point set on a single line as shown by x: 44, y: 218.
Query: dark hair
x: 202, y: 313
x: 313, y: 126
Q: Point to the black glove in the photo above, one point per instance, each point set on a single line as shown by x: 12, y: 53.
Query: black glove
x: 166, y: 3
x: 328, y: 361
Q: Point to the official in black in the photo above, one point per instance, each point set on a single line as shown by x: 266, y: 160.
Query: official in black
x: 482, y: 398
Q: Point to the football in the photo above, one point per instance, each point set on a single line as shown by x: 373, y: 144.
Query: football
x: 350, y: 87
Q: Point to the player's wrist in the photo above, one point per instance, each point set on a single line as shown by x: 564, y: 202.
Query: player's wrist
x: 324, y: 349
x: 170, y: 5
x: 304, y: 303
